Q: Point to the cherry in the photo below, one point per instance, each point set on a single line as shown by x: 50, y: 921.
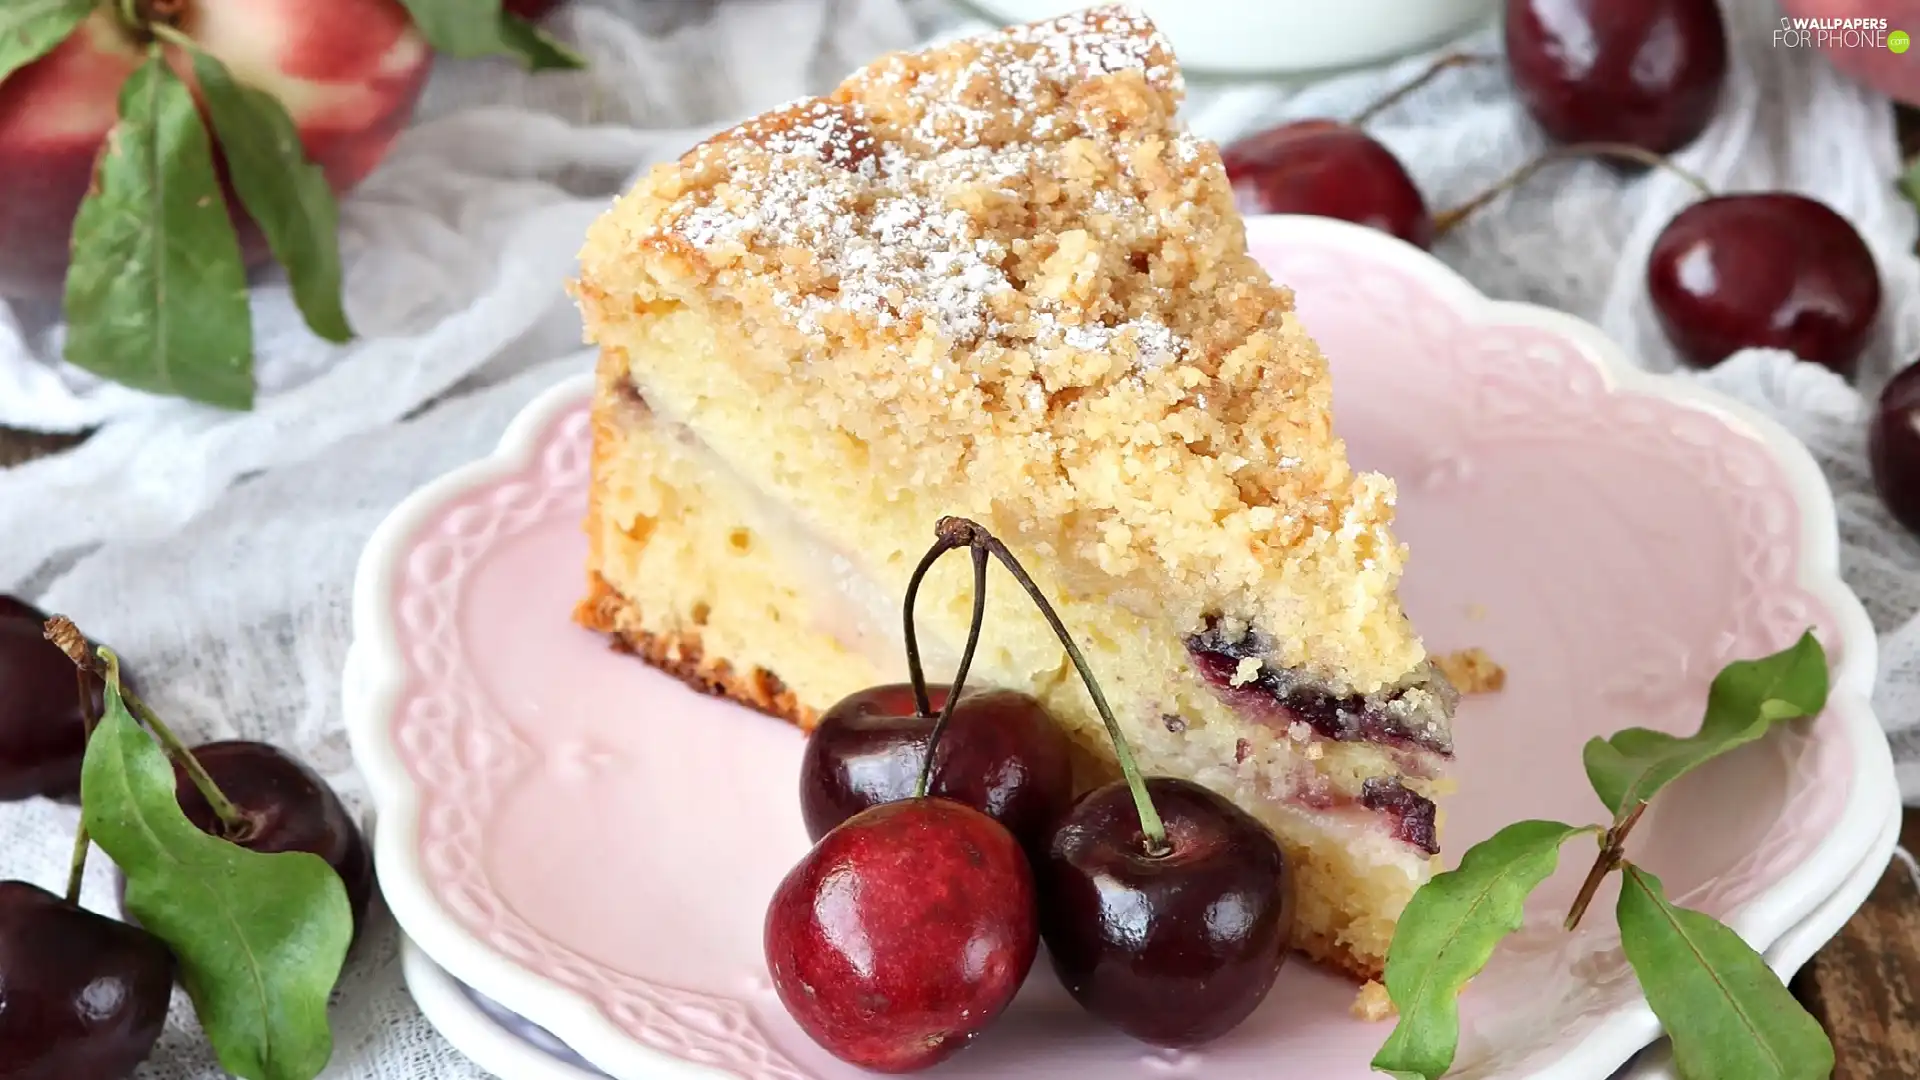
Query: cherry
x: 282, y: 805
x: 1174, y: 948
x: 1893, y: 447
x: 903, y: 933
x: 42, y: 733
x: 1327, y: 169
x: 82, y: 997
x: 1770, y: 269
x: 1644, y: 72
x: 1001, y: 754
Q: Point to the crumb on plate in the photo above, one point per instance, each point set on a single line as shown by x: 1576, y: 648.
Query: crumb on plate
x: 1472, y: 671
x: 1372, y: 1003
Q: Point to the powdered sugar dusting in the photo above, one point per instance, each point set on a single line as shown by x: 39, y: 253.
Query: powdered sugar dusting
x: 887, y: 232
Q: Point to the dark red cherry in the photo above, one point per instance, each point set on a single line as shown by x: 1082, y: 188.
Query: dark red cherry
x: 1001, y: 754
x: 903, y: 933
x: 1645, y: 72
x: 1770, y: 269
x: 1327, y: 169
x: 1893, y: 447
x: 82, y: 996
x: 287, y: 807
x: 42, y: 737
x: 1174, y: 949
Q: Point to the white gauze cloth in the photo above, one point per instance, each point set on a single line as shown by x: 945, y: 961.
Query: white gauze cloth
x: 216, y: 550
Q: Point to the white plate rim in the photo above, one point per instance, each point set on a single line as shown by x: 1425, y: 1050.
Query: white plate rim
x: 375, y: 675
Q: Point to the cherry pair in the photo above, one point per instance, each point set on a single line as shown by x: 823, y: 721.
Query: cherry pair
x: 948, y: 846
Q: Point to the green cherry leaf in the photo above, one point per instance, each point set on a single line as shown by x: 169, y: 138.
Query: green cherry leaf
x: 470, y: 28
x: 1447, y: 933
x: 1748, y: 698
x: 287, y: 194
x: 156, y: 293
x: 260, y: 938
x: 1727, y: 1013
x: 30, y: 29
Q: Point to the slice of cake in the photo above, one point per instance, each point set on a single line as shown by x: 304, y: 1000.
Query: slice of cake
x: 997, y: 279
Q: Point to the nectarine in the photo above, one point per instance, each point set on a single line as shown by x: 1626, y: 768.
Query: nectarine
x: 348, y: 72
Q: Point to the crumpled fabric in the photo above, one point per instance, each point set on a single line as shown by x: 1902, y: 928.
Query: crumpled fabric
x: 216, y: 550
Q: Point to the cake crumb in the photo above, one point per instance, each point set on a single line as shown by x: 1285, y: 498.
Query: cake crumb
x: 1372, y: 1003
x: 1476, y: 612
x: 1247, y: 671
x: 1472, y: 671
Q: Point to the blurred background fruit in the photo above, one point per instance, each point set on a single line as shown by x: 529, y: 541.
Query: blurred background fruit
x: 348, y: 71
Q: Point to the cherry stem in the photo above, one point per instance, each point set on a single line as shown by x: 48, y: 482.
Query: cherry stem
x: 62, y: 632
x: 1399, y: 94
x: 1612, y: 852
x: 1446, y: 220
x: 917, y: 675
x: 960, y: 673
x: 976, y: 535
x: 77, y: 868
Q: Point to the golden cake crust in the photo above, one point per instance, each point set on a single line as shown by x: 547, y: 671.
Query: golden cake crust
x: 683, y: 656
x: 1010, y: 271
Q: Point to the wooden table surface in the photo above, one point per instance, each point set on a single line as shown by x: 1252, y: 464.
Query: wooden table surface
x: 1864, y: 986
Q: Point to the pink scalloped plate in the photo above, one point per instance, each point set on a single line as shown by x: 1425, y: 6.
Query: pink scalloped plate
x: 591, y: 845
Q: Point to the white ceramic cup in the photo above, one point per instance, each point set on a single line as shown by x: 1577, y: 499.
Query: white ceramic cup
x: 1279, y: 37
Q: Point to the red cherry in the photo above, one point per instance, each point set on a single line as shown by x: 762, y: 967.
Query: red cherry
x: 1176, y: 948
x: 1773, y: 270
x: 1645, y: 72
x: 82, y: 997
x: 903, y: 933
x: 1893, y: 447
x: 1000, y: 754
x: 42, y: 737
x: 1327, y: 169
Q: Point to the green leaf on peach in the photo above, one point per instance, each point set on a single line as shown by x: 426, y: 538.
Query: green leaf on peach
x: 470, y: 28
x: 539, y: 50
x: 30, y: 29
x: 156, y: 294
x: 260, y: 938
x: 287, y: 194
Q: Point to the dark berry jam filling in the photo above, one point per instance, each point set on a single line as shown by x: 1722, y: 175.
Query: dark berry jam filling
x: 1403, y: 716
x: 1412, y: 813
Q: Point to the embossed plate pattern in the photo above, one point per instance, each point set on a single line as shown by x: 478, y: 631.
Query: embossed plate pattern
x: 591, y: 845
